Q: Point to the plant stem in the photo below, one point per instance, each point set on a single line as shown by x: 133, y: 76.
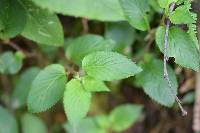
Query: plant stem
x: 166, y: 76
x: 16, y: 47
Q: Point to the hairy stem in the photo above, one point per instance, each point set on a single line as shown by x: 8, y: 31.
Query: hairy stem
x: 166, y: 76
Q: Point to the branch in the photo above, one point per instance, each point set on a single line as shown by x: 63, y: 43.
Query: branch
x: 84, y: 22
x: 166, y: 76
x: 16, y: 47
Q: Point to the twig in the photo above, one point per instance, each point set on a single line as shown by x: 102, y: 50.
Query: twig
x: 85, y: 25
x: 16, y: 47
x: 196, y: 117
x: 196, y: 113
x: 166, y: 76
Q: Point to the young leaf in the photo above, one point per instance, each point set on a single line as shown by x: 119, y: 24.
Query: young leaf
x: 47, y: 88
x: 10, y: 22
x: 154, y: 84
x: 76, y: 102
x: 181, y: 16
x: 11, y: 63
x: 8, y: 124
x: 32, y: 124
x: 135, y: 13
x: 81, y: 46
x: 109, y: 66
x: 181, y: 47
x: 104, y: 10
x: 93, y: 85
x: 124, y: 116
x: 20, y: 93
x: 119, y: 31
x: 42, y: 26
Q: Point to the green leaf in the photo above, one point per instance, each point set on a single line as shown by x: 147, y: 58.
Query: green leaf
x: 11, y: 63
x: 155, y: 6
x: 76, y: 102
x: 20, y: 93
x: 42, y: 26
x: 12, y: 18
x: 181, y: 47
x: 135, y: 12
x: 8, y: 124
x: 82, y: 46
x: 154, y: 84
x: 93, y: 85
x: 189, y: 98
x: 104, y: 10
x: 109, y: 66
x: 122, y: 117
x: 32, y: 124
x: 165, y: 3
x: 181, y: 16
x: 47, y: 88
x: 87, y: 125
x: 118, y: 32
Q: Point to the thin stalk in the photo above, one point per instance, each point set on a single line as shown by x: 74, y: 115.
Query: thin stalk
x: 166, y: 75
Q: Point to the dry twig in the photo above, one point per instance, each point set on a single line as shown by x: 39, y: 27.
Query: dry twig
x: 166, y: 76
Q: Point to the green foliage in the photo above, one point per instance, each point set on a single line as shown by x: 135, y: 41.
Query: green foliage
x: 154, y: 84
x: 76, y: 102
x: 10, y: 22
x: 181, y: 47
x: 90, y: 59
x: 165, y: 3
x: 135, y: 13
x: 181, y: 16
x: 88, y: 125
x: 119, y: 119
x: 86, y: 44
x: 104, y: 10
x: 42, y: 26
x: 118, y: 32
x: 47, y: 88
x: 109, y: 66
x: 10, y: 62
x: 189, y: 98
x: 20, y: 93
x: 32, y: 124
x: 8, y: 124
x: 93, y: 85
x: 124, y: 116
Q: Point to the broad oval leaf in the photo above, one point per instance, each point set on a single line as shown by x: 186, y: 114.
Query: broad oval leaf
x: 23, y: 85
x: 93, y: 85
x: 8, y: 124
x: 47, y: 88
x: 104, y: 10
x: 154, y: 84
x: 81, y: 46
x: 123, y: 116
x: 109, y: 66
x: 32, y: 124
x: 118, y: 32
x: 11, y: 62
x: 181, y: 47
x: 42, y: 26
x: 76, y: 102
x: 135, y: 13
x: 12, y: 18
